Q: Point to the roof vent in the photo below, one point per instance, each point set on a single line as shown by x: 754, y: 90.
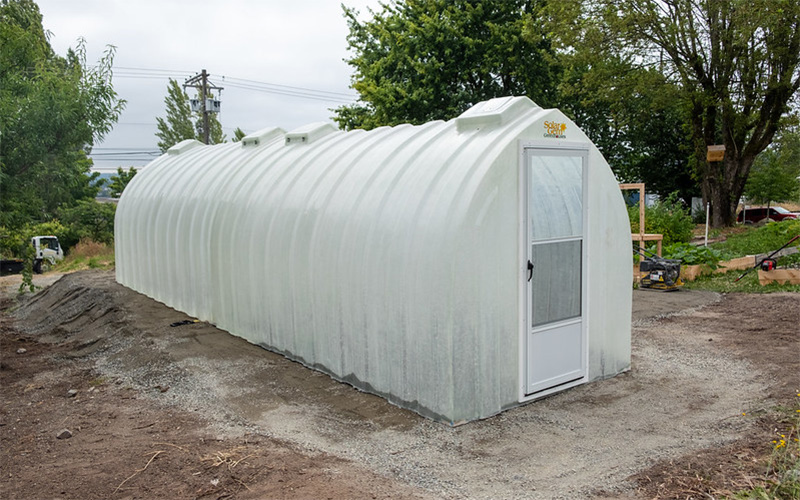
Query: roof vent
x: 263, y: 136
x: 184, y: 146
x: 309, y: 133
x: 493, y: 112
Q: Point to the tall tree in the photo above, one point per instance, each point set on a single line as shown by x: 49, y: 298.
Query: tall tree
x: 633, y: 115
x: 52, y: 110
x: 181, y: 123
x: 776, y: 172
x: 119, y: 181
x: 177, y: 126
x: 736, y: 63
x: 422, y: 60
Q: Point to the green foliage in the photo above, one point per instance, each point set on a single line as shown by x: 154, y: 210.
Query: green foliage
x: 758, y: 240
x: 52, y: 110
x: 736, y: 64
x: 754, y: 241
x: 181, y: 123
x: 120, y: 181
x: 178, y: 125
x: 792, y: 260
x: 89, y: 219
x: 667, y: 217
x: 693, y: 254
x: 422, y: 60
x: 238, y: 135
x: 633, y: 115
x: 425, y: 60
x: 774, y: 176
x: 16, y: 243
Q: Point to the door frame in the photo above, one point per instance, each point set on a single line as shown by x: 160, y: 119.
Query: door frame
x: 560, y: 148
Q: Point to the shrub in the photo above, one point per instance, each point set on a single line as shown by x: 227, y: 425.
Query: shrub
x: 89, y: 248
x: 88, y: 254
x: 89, y: 219
x: 668, y: 217
x: 691, y: 254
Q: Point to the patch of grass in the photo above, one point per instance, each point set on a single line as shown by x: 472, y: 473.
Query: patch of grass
x: 87, y: 254
x: 726, y: 283
x: 751, y: 241
x: 789, y: 260
x: 782, y: 478
x: 765, y: 239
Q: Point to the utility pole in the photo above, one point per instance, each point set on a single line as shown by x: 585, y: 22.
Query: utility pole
x: 201, y: 83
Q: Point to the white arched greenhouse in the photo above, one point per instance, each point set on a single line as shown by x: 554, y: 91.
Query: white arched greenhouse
x: 455, y: 268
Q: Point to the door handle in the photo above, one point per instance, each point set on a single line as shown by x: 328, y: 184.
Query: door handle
x: 530, y: 270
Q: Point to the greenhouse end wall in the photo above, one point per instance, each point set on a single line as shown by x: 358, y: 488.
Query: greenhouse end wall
x: 388, y: 259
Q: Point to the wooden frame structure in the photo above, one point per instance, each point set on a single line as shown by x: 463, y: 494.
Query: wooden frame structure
x: 641, y: 237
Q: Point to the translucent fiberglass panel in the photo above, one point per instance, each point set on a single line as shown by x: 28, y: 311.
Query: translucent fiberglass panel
x: 555, y: 196
x: 556, y: 281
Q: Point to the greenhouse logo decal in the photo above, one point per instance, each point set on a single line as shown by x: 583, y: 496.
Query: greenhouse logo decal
x: 555, y: 130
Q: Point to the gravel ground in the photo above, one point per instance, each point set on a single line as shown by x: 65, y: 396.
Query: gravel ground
x: 685, y: 392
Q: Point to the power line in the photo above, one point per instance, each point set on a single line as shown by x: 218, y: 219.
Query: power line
x: 302, y: 95
x: 154, y: 70
x: 288, y: 87
x: 241, y: 83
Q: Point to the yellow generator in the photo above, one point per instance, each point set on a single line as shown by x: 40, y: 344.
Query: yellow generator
x: 657, y: 272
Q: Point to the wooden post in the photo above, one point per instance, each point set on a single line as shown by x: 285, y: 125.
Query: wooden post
x: 641, y: 237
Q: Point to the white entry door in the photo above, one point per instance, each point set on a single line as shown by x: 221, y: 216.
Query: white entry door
x: 556, y: 341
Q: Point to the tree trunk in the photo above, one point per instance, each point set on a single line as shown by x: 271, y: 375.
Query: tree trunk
x: 723, y: 184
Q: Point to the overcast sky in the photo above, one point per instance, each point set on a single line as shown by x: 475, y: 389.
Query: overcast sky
x: 280, y: 46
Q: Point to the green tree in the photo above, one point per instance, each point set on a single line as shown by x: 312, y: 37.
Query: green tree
x: 423, y: 60
x: 181, y: 123
x: 177, y: 126
x: 238, y: 135
x: 633, y: 115
x: 52, y: 110
x: 776, y: 172
x: 88, y: 219
x: 120, y: 181
x: 734, y: 61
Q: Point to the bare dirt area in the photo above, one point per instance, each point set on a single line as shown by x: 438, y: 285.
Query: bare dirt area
x: 193, y: 412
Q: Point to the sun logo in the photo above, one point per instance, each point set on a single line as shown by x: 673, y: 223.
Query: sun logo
x: 555, y: 129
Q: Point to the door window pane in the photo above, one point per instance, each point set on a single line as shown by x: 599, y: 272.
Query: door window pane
x: 556, y: 281
x: 555, y: 195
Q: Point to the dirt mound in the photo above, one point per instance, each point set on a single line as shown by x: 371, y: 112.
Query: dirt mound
x: 77, y: 307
